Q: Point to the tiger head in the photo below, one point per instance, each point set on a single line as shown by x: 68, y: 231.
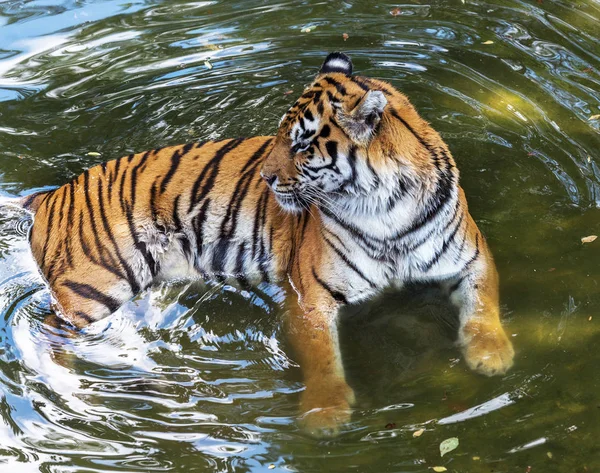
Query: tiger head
x: 319, y: 150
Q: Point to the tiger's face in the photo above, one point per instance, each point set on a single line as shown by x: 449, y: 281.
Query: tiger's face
x: 317, y: 147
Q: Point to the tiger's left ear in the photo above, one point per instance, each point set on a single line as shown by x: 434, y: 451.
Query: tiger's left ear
x: 337, y: 62
x: 361, y: 122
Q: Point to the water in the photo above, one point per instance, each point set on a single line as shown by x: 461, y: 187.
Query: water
x: 199, y: 377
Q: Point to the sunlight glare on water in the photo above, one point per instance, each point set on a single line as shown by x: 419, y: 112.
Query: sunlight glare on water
x: 198, y: 376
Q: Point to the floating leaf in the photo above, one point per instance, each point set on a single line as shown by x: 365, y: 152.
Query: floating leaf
x: 418, y: 433
x: 448, y: 445
x: 476, y: 458
x: 93, y: 153
x: 489, y: 41
x: 207, y: 64
x: 549, y: 455
x: 594, y: 117
x: 271, y: 466
x: 589, y: 239
x: 439, y: 469
x: 396, y: 12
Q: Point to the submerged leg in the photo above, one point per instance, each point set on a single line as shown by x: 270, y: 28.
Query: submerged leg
x: 485, y: 345
x: 312, y: 331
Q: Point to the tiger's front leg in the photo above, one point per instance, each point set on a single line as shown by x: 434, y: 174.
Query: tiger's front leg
x: 485, y: 345
x: 311, y: 326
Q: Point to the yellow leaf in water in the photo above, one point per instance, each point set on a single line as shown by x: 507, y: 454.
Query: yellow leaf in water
x: 549, y: 455
x: 93, y: 153
x: 439, y: 469
x: 594, y: 117
x: 488, y: 42
x: 476, y: 458
x: 418, y: 433
x: 271, y: 466
x: 589, y: 239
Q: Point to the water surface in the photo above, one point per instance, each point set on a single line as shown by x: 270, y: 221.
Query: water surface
x: 197, y: 377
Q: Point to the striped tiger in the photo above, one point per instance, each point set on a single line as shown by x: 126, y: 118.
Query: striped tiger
x: 370, y: 197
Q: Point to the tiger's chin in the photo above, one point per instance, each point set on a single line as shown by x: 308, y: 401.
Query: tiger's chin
x: 290, y: 202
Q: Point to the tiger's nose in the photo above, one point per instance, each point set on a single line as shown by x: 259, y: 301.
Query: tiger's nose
x: 269, y: 178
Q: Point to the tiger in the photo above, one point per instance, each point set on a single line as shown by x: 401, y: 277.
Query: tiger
x: 355, y: 193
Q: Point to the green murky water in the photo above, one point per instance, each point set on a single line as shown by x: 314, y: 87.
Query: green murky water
x: 198, y: 378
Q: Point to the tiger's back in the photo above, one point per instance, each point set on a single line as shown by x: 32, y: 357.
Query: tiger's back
x: 188, y: 211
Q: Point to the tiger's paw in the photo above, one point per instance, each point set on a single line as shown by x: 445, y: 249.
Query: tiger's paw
x: 488, y: 350
x: 326, y: 409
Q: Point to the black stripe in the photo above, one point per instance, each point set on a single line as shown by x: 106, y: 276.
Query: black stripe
x: 61, y: 242
x: 50, y: 220
x: 175, y: 215
x: 130, y: 276
x: 462, y: 245
x: 444, y: 247
x: 476, y: 255
x: 219, y: 256
x: 349, y: 263
x: 211, y: 167
x: 339, y: 87
x: 257, y: 155
x: 89, y: 292
x: 338, y: 296
x: 153, y: 195
x: 116, y: 170
x: 240, y: 261
x: 372, y: 244
x: 198, y: 224
x: 109, y: 263
x: 84, y: 316
x: 361, y: 84
x: 71, y: 221
x: 175, y: 160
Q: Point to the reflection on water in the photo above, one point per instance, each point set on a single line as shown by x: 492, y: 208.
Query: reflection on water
x: 198, y: 377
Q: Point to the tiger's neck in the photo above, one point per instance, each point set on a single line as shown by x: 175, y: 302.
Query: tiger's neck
x: 402, y: 207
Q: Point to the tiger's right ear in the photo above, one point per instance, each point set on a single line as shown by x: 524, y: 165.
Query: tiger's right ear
x: 337, y: 62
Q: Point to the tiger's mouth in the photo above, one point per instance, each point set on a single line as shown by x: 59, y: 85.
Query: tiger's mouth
x: 290, y: 201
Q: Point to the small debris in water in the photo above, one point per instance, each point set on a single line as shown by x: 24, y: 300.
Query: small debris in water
x: 594, y: 117
x: 345, y: 36
x: 448, y: 445
x: 590, y: 319
x: 391, y: 425
x: 288, y: 92
x: 549, y: 454
x: 207, y: 64
x: 476, y: 458
x: 307, y: 29
x: 589, y: 239
x: 418, y: 433
x: 528, y: 469
x: 551, y: 269
x: 439, y: 468
x: 271, y: 466
x: 93, y: 153
x: 489, y: 41
x: 396, y: 12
